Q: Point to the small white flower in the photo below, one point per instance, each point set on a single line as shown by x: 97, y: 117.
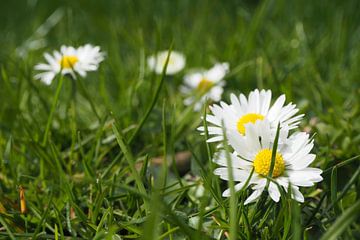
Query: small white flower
x: 207, y: 84
x: 254, y: 151
x: 176, y: 62
x: 70, y: 61
x: 243, y: 111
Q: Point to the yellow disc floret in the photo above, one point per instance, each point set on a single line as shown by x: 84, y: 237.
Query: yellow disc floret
x: 68, y: 61
x: 204, y: 85
x: 262, y: 163
x: 248, y: 118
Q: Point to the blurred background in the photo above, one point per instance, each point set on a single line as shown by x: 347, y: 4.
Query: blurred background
x: 309, y: 50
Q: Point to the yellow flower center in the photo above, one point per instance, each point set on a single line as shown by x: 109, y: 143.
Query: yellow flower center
x: 204, y: 85
x: 262, y: 163
x: 248, y: 118
x: 68, y: 61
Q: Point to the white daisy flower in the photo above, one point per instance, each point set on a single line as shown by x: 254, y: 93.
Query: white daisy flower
x: 244, y: 110
x: 208, y: 84
x: 176, y: 62
x: 254, y: 151
x: 70, y: 61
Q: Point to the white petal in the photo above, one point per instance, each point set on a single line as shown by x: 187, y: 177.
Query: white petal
x: 253, y: 196
x: 274, y: 192
x: 240, y: 145
x: 252, y: 136
x: 239, y: 175
x: 215, y: 139
x: 176, y: 62
x: 236, y: 162
x: 237, y: 188
x: 215, y: 93
x: 217, y: 72
x: 302, y: 161
x: 296, y: 194
x: 193, y: 79
x: 275, y: 109
x: 236, y: 104
x: 43, y: 67
x: 306, y: 177
x: 244, y: 103
x: 253, y: 101
x: 265, y: 99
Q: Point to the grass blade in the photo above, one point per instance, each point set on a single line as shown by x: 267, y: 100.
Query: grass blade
x: 341, y: 224
x: 131, y: 161
x: 231, y: 185
x: 154, y: 100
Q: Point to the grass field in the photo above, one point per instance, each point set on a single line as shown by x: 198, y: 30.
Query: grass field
x: 116, y: 155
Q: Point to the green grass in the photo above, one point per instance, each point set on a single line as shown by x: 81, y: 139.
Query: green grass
x: 90, y: 161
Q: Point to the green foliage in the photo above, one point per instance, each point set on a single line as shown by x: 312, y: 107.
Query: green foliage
x: 108, y: 156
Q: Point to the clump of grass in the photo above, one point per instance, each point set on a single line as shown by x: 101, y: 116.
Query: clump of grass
x: 121, y: 157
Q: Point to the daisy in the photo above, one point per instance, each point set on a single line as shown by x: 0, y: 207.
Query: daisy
x: 70, y: 60
x: 243, y: 111
x: 176, y: 62
x: 253, y: 153
x: 208, y: 84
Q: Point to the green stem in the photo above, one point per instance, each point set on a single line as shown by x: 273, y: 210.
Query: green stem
x: 49, y: 121
x: 53, y: 106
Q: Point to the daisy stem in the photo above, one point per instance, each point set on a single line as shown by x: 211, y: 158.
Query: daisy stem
x: 49, y: 121
x: 53, y: 107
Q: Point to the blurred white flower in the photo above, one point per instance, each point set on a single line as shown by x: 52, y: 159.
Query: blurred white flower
x: 243, y: 111
x: 254, y: 151
x: 70, y: 61
x: 176, y: 62
x: 205, y: 84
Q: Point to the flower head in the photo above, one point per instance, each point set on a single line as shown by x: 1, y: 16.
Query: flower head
x: 176, y: 62
x: 251, y: 161
x: 206, y: 84
x: 243, y: 111
x: 69, y: 60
